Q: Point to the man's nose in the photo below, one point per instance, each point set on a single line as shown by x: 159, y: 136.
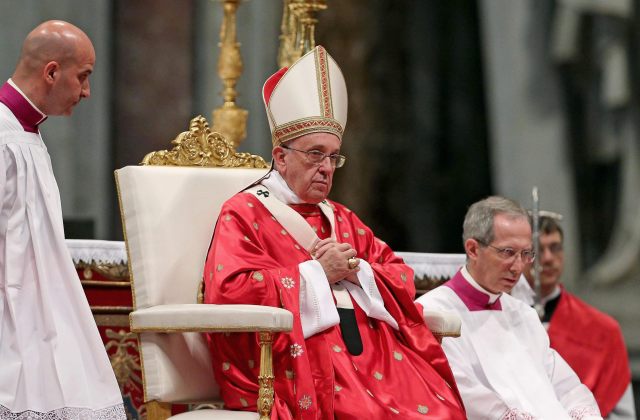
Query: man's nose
x: 518, y: 263
x: 326, y: 165
x: 85, y: 92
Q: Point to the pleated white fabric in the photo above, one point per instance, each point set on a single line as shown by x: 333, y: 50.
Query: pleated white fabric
x: 53, y: 364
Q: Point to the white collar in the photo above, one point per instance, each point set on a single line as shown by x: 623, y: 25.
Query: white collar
x: 552, y: 295
x: 11, y: 82
x: 467, y: 276
x: 278, y: 186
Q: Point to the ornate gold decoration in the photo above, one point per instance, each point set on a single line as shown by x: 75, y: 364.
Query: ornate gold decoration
x: 265, y: 379
x: 426, y: 283
x: 202, y: 147
x: 112, y: 271
x: 229, y: 119
x: 125, y: 365
x: 157, y: 410
x: 298, y: 29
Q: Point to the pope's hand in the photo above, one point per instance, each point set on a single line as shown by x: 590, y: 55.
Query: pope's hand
x: 334, y: 258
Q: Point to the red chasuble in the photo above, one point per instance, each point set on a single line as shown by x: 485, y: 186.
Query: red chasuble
x: 592, y: 344
x: 401, y: 374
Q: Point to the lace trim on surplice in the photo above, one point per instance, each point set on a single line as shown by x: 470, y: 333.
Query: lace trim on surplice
x: 115, y: 412
x: 579, y: 413
x: 515, y: 414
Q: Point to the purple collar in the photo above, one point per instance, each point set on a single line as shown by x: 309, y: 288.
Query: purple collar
x: 472, y: 297
x: 28, y: 116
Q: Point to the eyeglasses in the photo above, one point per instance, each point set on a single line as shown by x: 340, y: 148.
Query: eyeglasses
x: 316, y: 156
x: 506, y: 254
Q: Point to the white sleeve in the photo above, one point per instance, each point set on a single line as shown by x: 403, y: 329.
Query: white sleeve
x: 574, y: 396
x: 625, y: 409
x: 317, y: 309
x: 368, y: 297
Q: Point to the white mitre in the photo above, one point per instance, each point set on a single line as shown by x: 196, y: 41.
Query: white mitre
x: 308, y: 97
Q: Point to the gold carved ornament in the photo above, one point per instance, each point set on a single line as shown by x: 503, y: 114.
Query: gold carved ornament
x: 200, y: 146
x: 229, y: 119
x: 125, y: 365
x: 297, y: 30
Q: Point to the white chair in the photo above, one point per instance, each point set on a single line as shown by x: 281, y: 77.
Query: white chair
x: 168, y: 216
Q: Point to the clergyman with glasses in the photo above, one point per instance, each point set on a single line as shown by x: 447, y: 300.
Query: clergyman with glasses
x: 502, y: 362
x: 359, y: 346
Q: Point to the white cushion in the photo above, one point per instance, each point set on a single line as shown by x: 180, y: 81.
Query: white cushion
x: 215, y: 415
x: 443, y: 324
x: 177, y: 368
x: 211, y: 318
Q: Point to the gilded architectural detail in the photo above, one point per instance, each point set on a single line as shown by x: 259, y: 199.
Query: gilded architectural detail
x: 125, y: 364
x: 200, y: 146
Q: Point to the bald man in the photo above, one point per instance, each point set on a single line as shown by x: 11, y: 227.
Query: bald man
x: 52, y: 361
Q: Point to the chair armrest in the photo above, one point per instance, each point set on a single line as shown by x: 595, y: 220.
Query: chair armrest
x: 195, y: 317
x: 442, y: 324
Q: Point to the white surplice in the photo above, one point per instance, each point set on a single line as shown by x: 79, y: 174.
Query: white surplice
x: 502, y: 362
x: 53, y: 364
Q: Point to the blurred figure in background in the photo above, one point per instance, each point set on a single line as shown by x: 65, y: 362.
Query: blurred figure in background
x: 589, y: 340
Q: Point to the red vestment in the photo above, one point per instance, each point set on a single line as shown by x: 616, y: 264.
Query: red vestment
x: 400, y: 374
x: 592, y: 344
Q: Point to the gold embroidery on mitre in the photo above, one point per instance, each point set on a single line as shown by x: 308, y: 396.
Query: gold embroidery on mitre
x: 324, y: 83
x: 258, y: 276
x: 423, y: 409
x: 288, y: 131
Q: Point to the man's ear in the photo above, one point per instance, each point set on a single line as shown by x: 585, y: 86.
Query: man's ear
x: 471, y: 247
x: 50, y: 72
x: 278, y: 154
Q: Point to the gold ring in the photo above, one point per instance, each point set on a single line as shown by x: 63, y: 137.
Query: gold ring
x: 353, y: 262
